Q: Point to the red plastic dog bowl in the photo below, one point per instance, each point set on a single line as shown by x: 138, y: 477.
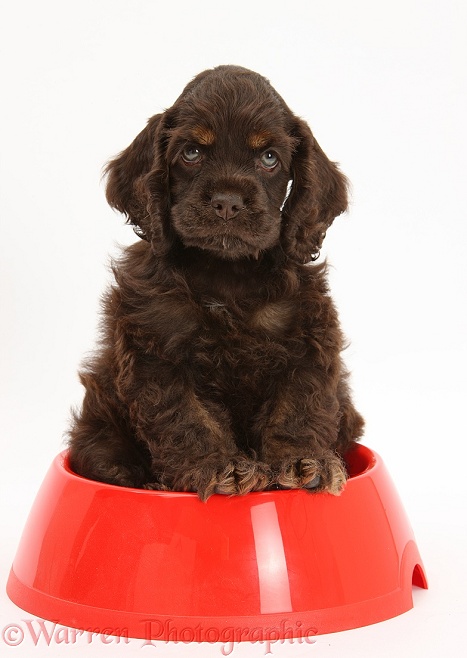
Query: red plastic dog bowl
x: 165, y: 566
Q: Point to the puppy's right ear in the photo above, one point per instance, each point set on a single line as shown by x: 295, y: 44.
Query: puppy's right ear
x: 127, y: 190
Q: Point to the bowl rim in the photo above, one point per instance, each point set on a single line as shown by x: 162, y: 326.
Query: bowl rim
x: 369, y: 457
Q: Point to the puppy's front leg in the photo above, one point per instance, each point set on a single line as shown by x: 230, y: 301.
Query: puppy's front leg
x: 299, y: 433
x: 192, y: 446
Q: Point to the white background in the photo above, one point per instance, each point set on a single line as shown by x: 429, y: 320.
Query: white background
x: 383, y: 86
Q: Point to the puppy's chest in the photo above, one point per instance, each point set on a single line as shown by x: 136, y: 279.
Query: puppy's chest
x: 258, y: 322
x: 242, y: 347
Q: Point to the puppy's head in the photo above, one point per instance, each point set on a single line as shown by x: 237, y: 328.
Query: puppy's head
x: 213, y: 172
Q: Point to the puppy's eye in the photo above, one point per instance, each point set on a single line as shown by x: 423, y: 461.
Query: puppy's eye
x: 269, y: 160
x: 191, y: 155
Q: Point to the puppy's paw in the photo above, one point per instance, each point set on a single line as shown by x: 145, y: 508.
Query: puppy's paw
x: 325, y: 474
x: 235, y: 477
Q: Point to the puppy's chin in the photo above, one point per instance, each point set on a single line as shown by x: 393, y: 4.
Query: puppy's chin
x: 226, y: 247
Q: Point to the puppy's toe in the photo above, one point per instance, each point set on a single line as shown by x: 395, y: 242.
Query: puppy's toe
x: 242, y: 477
x: 225, y: 481
x: 333, y: 475
x: 297, y: 473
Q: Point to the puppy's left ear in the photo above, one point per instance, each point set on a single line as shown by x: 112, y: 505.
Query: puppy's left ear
x: 318, y: 196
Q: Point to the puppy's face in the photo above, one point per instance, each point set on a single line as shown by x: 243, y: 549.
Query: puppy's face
x: 229, y: 156
x: 213, y: 170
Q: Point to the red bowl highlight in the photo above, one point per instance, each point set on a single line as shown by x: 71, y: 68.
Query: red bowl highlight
x: 165, y: 566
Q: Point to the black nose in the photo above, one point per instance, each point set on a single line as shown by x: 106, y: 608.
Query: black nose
x: 227, y: 205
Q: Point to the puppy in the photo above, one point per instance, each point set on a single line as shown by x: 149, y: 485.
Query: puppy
x: 219, y: 368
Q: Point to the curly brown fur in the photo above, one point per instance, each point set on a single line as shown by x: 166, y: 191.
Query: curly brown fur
x: 219, y: 369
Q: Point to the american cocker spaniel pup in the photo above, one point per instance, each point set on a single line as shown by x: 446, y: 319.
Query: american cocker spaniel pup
x: 219, y: 369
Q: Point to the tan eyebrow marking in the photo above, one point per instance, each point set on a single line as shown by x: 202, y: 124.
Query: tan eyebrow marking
x: 203, y: 135
x: 259, y: 139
